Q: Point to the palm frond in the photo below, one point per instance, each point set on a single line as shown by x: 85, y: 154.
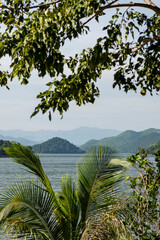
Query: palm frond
x: 24, y: 156
x: 96, y: 177
x: 106, y: 226
x: 27, y: 211
x: 69, y: 205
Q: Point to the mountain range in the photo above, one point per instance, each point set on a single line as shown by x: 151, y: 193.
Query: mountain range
x: 128, y: 141
x: 76, y: 136
x: 21, y: 140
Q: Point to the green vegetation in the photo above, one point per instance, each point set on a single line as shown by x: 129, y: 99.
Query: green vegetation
x: 33, y: 36
x: 33, y: 210
x: 89, y: 208
x: 56, y: 145
x: 2, y: 145
x: 142, y: 209
x: 153, y: 147
x: 128, y: 141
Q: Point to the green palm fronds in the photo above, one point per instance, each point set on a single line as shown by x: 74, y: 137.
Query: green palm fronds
x: 69, y: 204
x: 96, y: 177
x: 106, y: 226
x: 33, y: 210
x: 25, y: 157
x: 27, y: 210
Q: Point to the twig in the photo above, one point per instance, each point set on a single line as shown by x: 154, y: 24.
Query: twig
x: 123, y: 16
x: 96, y: 13
x: 45, y: 4
x: 4, y: 6
x: 147, y: 40
x: 36, y: 6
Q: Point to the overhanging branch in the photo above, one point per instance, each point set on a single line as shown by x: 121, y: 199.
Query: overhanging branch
x: 36, y: 6
x: 45, y: 4
x: 149, y: 5
x: 97, y: 13
x: 149, y: 2
x: 143, y: 5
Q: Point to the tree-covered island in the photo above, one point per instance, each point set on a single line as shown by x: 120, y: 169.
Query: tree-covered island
x: 56, y: 145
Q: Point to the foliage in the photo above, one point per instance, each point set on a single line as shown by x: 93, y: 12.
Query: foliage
x: 56, y: 145
x: 141, y: 211
x: 33, y: 210
x: 33, y: 37
x: 106, y: 226
x: 2, y: 145
x: 153, y: 147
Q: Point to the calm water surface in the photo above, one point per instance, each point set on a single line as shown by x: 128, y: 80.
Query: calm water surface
x: 55, y: 166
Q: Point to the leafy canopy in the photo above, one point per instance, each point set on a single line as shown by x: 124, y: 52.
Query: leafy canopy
x: 33, y: 35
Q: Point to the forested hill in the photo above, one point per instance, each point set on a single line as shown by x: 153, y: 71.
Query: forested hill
x: 128, y: 141
x: 2, y: 145
x: 154, y: 147
x: 56, y: 145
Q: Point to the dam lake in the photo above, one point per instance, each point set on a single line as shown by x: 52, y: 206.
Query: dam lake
x: 55, y: 166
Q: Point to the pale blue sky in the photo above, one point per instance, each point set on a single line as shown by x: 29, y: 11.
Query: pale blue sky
x: 113, y: 110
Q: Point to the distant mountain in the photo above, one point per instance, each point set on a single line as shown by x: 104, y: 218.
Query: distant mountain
x: 154, y: 147
x: 128, y: 141
x: 23, y: 141
x: 56, y: 145
x: 76, y: 136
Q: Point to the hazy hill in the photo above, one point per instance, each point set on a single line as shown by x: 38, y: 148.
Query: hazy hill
x: 76, y: 136
x: 21, y: 140
x: 56, y: 145
x: 128, y: 141
x: 154, y: 147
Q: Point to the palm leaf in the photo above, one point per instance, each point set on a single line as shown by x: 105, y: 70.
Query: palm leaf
x: 23, y: 155
x: 106, y: 226
x: 96, y: 177
x: 27, y: 211
x: 69, y: 205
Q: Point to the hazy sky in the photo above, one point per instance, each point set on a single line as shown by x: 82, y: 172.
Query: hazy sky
x: 113, y: 109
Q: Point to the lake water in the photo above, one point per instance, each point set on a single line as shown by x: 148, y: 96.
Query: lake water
x: 55, y: 166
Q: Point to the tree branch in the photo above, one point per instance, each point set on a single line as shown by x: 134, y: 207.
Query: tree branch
x: 123, y: 16
x: 4, y: 6
x: 45, y: 4
x: 143, y: 5
x: 97, y: 13
x: 149, y: 2
x: 36, y: 6
x: 147, y: 40
x: 148, y: 5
